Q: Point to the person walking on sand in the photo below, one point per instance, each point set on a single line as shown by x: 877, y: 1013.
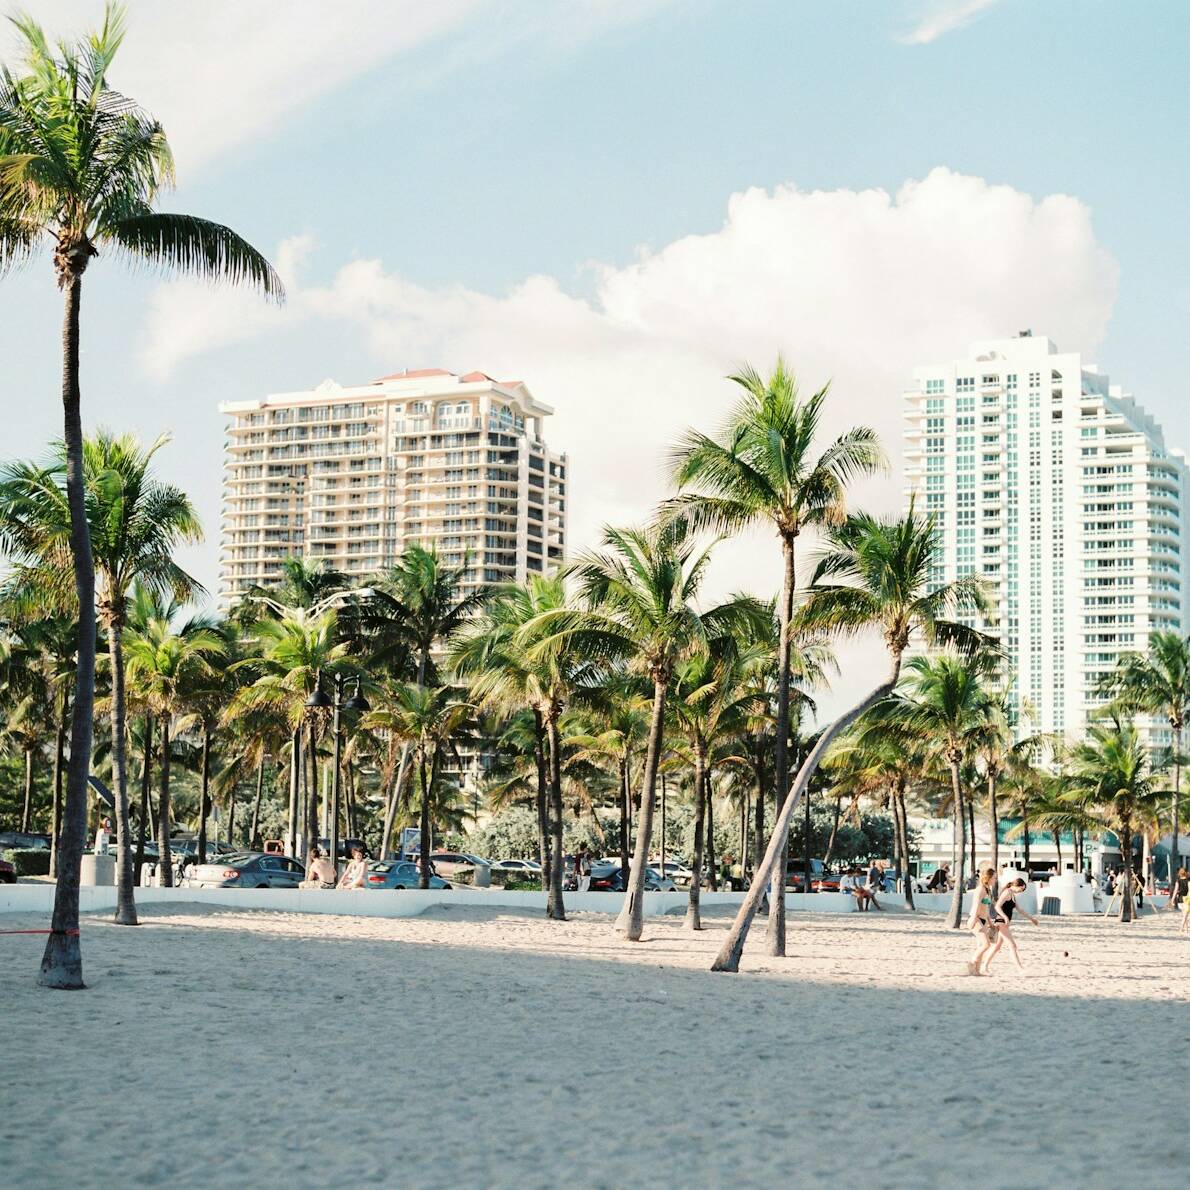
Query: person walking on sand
x: 982, y: 920
x: 1006, y: 905
x: 1185, y: 914
x: 353, y: 876
x: 1180, y: 889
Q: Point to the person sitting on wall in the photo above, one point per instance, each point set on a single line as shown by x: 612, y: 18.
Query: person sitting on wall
x: 320, y: 872
x: 940, y: 879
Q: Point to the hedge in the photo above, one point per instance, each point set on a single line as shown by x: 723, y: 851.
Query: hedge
x: 33, y: 862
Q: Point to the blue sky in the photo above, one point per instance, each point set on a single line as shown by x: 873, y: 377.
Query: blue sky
x: 422, y: 163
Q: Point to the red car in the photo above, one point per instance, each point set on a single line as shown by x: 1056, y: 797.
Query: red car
x: 8, y: 874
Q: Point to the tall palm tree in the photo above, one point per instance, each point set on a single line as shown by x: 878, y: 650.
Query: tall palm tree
x: 428, y: 718
x: 946, y: 700
x: 886, y: 566
x: 82, y: 166
x: 1158, y: 682
x: 412, y: 610
x: 639, y: 607
x: 162, y: 660
x: 765, y: 467
x: 136, y: 523
x: 1109, y: 772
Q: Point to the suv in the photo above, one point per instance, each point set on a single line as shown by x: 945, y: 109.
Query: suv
x: 795, y: 873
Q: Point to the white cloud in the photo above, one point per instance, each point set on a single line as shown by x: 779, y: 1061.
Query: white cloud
x: 222, y: 72
x: 945, y: 16
x: 855, y: 287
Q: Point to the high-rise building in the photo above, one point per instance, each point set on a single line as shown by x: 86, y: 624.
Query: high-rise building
x: 354, y: 474
x: 1059, y: 489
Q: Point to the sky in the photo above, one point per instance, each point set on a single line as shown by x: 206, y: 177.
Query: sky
x: 619, y: 201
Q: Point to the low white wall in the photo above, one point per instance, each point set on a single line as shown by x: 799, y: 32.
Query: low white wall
x: 39, y: 898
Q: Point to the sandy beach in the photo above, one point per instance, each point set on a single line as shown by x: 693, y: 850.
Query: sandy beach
x: 474, y: 1047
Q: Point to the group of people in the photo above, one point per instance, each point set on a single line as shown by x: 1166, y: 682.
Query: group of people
x: 991, y: 920
x: 320, y: 870
x: 863, y: 887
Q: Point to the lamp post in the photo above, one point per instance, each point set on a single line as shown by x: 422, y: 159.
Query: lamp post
x: 319, y: 700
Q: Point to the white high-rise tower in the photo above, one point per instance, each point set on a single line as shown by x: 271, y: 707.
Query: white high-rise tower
x: 1059, y: 489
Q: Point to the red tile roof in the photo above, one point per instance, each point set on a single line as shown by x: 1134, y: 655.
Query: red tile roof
x: 414, y: 375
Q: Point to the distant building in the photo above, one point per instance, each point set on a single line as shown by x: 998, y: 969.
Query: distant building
x: 354, y: 474
x: 1060, y: 490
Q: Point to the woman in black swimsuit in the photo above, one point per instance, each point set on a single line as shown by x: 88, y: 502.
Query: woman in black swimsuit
x: 1005, y: 906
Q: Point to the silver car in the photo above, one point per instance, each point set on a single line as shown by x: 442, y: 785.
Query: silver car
x: 251, y: 869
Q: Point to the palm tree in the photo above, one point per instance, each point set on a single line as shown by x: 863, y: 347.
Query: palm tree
x: 946, y: 700
x: 1157, y: 682
x: 886, y: 564
x: 83, y: 166
x: 764, y: 467
x: 639, y: 595
x: 162, y: 660
x: 416, y: 607
x: 136, y: 523
x: 1109, y: 773
x: 293, y: 648
x: 428, y: 718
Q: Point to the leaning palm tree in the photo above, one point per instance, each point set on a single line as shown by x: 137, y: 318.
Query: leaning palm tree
x: 162, y: 660
x: 136, y: 523
x: 1157, y: 682
x: 886, y: 566
x: 82, y: 167
x: 764, y: 467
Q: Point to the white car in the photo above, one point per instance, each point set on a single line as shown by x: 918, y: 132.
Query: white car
x: 528, y: 866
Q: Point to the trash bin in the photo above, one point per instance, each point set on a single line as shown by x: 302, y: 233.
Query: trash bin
x: 97, y: 870
x: 483, y: 876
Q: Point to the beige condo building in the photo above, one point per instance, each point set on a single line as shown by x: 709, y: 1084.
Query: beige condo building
x: 353, y: 474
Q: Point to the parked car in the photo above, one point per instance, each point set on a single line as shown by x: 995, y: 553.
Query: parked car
x: 24, y: 841
x: 399, y: 873
x: 611, y: 877
x: 8, y: 873
x: 530, y: 867
x: 795, y: 873
x: 251, y: 869
x: 451, y: 862
x: 676, y: 871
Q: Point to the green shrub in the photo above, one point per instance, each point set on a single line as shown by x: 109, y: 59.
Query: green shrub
x: 34, y: 862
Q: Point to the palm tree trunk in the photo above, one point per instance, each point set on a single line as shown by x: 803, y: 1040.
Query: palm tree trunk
x: 625, y: 803
x: 775, y: 932
x: 693, y: 916
x: 903, y: 817
x: 1175, y: 809
x: 394, y: 797
x: 142, y: 827
x: 971, y: 828
x: 758, y: 826
x: 1028, y: 861
x: 708, y: 801
x: 728, y: 958
x: 423, y: 846
x: 631, y: 919
x: 1057, y: 833
x: 62, y: 961
x: 165, y: 863
x: 1126, y: 908
x: 744, y: 807
x: 295, y: 777
x: 349, y: 808
x: 254, y: 829
x: 994, y: 816
x: 27, y: 808
x: 555, y: 909
x: 125, y: 902
x: 204, y: 796
x: 954, y: 918
x: 311, y: 828
x: 59, y: 773
x: 830, y: 844
x: 231, y: 815
x: 542, y: 801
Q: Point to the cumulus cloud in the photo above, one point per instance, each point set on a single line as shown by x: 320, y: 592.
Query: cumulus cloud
x: 855, y: 287
x: 222, y: 72
x: 945, y: 17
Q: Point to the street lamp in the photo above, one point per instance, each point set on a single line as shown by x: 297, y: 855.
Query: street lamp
x: 356, y: 704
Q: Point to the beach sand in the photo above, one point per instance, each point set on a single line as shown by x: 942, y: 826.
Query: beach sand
x: 475, y: 1047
